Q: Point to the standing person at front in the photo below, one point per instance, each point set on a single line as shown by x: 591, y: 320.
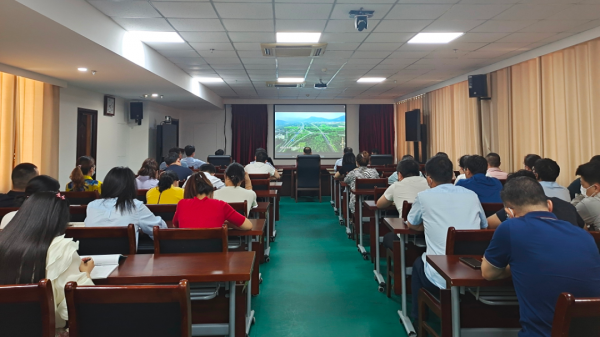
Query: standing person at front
x: 361, y: 172
x: 564, y: 259
x: 434, y: 211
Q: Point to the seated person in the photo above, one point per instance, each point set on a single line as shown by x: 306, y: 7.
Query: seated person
x: 174, y: 164
x: 394, y: 177
x: 564, y: 259
x: 462, y: 165
x: 259, y: 165
x: 189, y: 160
x: 494, y: 170
x: 307, y: 151
x: 562, y: 209
x: 348, y: 164
x: 340, y: 161
x: 42, y: 250
x: 209, y: 170
x: 547, y: 170
x: 487, y: 189
x: 529, y: 161
x: 167, y: 192
x: 409, y: 184
x: 432, y: 213
x: 20, y: 176
x: 362, y: 172
x: 118, y: 205
x: 147, y: 175
x: 81, y: 176
x: 200, y: 210
x: 588, y: 202
x: 374, y: 151
x: 269, y: 160
x: 179, y: 152
x: 219, y: 152
x: 40, y: 183
x: 442, y: 154
x: 575, y: 186
x: 233, y: 192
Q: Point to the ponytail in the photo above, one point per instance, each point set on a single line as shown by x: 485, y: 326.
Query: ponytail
x: 84, y: 166
x: 77, y: 179
x: 166, y: 180
x: 235, y: 173
x: 197, y: 184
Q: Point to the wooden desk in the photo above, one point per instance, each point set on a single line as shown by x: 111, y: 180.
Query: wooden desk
x: 360, y: 193
x: 253, y: 235
x: 198, y: 268
x: 272, y: 194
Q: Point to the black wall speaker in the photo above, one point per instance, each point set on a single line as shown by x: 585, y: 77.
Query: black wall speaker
x: 478, y: 86
x: 136, y: 110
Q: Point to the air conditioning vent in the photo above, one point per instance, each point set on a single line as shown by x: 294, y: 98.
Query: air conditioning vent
x: 284, y: 85
x: 293, y: 49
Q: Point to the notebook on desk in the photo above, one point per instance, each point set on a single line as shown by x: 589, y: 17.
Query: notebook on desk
x: 104, y: 265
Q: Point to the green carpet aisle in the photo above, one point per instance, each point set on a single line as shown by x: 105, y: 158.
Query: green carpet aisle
x: 317, y: 284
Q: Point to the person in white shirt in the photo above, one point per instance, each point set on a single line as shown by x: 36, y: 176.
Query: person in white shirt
x: 147, y: 175
x: 462, y: 164
x: 233, y: 192
x: 494, y: 171
x: 339, y: 162
x: 189, y: 160
x: 269, y: 160
x: 547, y: 171
x: 118, y: 205
x: 260, y: 166
x: 209, y: 171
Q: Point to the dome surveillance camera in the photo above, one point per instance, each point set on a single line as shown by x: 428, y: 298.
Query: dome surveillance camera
x: 360, y: 23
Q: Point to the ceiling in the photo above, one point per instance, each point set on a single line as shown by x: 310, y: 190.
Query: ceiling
x: 223, y: 39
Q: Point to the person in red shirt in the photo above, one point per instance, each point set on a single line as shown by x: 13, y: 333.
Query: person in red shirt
x: 198, y: 209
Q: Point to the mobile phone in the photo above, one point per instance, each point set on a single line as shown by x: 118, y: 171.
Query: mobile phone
x: 471, y: 262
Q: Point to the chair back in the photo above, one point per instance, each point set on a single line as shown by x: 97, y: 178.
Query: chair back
x: 81, y: 198
x: 190, y: 240
x: 254, y: 176
x: 308, y: 171
x: 223, y: 160
x: 77, y: 213
x: 166, y: 212
x: 596, y: 236
x: 27, y: 310
x: 220, y: 175
x: 369, y: 184
x: 104, y: 240
x: 382, y: 159
x: 141, y: 195
x: 119, y: 311
x: 260, y: 184
x: 576, y: 317
x: 490, y: 208
x: 240, y: 207
x: 378, y: 192
x: 6, y: 210
x: 406, y: 206
x: 468, y: 242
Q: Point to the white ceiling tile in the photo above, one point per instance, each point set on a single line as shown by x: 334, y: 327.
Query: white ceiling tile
x: 250, y: 53
x: 204, y: 36
x: 461, y: 46
x: 526, y: 37
x: 338, y: 53
x: 341, y: 11
x: 126, y: 9
x: 397, y: 62
x: 478, y: 54
x: 342, y: 37
x: 418, y: 11
x: 492, y: 2
x: 371, y: 54
x: 497, y: 26
x: 252, y: 37
x: 179, y: 53
x: 214, y: 45
x: 300, y: 10
x: 530, y: 12
x: 482, y: 37
x: 244, y: 11
x: 197, y: 10
x: 473, y: 12
x: 497, y: 46
x: 160, y: 46
x: 342, y: 46
x: 197, y: 60
x: 222, y: 60
x: 259, y: 60
x: 586, y: 26
x: 389, y: 37
x: 408, y: 54
x: 258, y: 66
x: 444, y: 26
x: 552, y: 26
x: 578, y: 12
x: 399, y: 26
x: 418, y: 47
x: 300, y: 25
x: 347, y: 26
x: 231, y: 66
x: 363, y: 61
x: 197, y: 25
x: 241, y: 25
x: 437, y: 54
x: 379, y: 46
x: 216, y: 53
x: 145, y: 24
x: 246, y: 46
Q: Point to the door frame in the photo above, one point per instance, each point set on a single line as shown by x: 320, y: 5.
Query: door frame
x: 80, y: 113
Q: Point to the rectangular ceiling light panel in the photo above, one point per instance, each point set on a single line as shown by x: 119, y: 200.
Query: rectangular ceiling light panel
x: 298, y: 37
x: 434, y: 37
x: 371, y: 79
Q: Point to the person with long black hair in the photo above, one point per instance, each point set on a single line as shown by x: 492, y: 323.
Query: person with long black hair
x: 233, y: 192
x: 81, y: 176
x: 37, y: 184
x: 118, y: 205
x: 167, y: 191
x: 33, y: 247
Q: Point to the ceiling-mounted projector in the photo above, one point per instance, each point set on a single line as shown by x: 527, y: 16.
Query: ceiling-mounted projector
x: 361, y: 16
x: 321, y: 85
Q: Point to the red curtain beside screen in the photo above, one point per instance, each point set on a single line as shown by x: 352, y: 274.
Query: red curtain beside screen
x: 376, y: 128
x: 249, y: 129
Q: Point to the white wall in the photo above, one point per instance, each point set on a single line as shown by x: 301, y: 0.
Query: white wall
x: 216, y: 123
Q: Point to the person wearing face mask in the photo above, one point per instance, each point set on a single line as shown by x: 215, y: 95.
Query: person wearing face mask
x: 544, y: 255
x: 588, y: 202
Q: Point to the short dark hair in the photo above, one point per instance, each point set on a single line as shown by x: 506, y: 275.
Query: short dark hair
x: 375, y: 151
x: 166, y: 180
x: 175, y: 149
x: 261, y: 156
x: 521, y: 192
x: 189, y: 150
x: 119, y: 183
x: 208, y: 167
x: 443, y: 154
x: 407, y: 156
x: 307, y: 150
x: 41, y: 183
x: 530, y: 160
x: 171, y: 158
x: 546, y: 169
x: 197, y: 184
x: 590, y: 172
x: 408, y: 168
x: 219, y: 152
x: 477, y: 164
x: 521, y: 173
x: 347, y: 149
x: 596, y: 158
x: 493, y: 159
x: 259, y: 150
x: 462, y: 161
x: 439, y: 169
x: 236, y: 173
x: 22, y: 174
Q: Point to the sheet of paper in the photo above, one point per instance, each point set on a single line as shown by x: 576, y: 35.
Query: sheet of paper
x: 105, y: 260
x: 102, y: 272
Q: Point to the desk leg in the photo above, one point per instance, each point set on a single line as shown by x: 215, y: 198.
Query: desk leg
x: 268, y: 238
x: 332, y: 202
x: 274, y: 212
x: 232, y: 309
x: 347, y: 202
x: 249, y: 311
x: 338, y: 201
x: 361, y: 247
x: 410, y: 330
x: 454, y: 292
x: 377, y: 270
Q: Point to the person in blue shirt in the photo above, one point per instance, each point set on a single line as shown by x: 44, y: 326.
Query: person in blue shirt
x: 544, y: 255
x: 487, y: 188
x: 189, y: 160
x: 174, y: 164
x: 179, y: 152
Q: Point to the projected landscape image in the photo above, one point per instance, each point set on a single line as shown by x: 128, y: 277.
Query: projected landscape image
x: 324, y: 132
